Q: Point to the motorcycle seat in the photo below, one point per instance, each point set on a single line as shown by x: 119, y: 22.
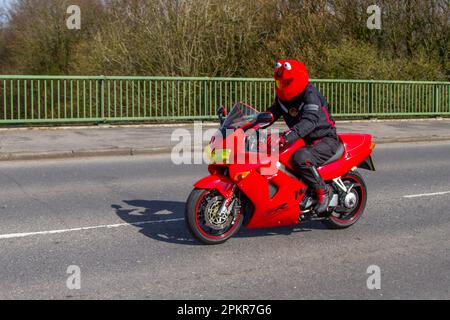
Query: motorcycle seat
x: 339, y: 153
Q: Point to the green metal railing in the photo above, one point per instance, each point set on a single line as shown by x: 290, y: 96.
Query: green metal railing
x: 50, y: 99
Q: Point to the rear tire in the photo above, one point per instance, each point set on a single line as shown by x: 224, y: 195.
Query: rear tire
x: 343, y: 219
x: 197, y: 203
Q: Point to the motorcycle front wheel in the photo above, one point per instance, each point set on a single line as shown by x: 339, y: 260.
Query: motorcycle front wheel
x: 204, y: 221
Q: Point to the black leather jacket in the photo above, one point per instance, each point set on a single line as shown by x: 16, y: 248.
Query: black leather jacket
x: 308, y: 115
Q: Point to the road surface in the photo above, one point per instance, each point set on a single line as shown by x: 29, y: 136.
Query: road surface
x: 120, y: 220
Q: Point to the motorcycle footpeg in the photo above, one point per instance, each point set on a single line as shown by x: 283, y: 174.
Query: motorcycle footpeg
x: 307, y: 216
x: 313, y: 216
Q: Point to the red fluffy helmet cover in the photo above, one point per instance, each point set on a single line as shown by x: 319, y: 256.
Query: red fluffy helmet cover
x: 291, y: 79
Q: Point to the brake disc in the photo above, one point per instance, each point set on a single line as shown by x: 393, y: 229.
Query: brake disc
x: 213, y: 218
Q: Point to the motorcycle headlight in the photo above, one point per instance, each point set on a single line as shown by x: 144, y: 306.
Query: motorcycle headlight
x: 218, y: 156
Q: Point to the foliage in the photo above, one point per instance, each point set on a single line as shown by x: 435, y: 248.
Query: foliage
x: 227, y: 38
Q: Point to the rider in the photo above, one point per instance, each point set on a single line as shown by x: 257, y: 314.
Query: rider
x: 306, y: 113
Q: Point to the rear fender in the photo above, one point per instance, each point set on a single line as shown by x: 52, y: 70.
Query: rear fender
x: 367, y: 164
x: 221, y: 183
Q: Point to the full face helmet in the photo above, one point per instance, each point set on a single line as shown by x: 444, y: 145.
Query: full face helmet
x: 291, y: 79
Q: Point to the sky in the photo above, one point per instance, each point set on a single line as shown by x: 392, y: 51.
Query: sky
x: 4, y: 3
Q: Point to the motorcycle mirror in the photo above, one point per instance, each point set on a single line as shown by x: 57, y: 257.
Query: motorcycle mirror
x: 222, y: 111
x: 265, y: 117
x: 222, y: 114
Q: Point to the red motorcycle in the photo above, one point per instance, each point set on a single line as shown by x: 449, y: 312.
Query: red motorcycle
x: 240, y: 193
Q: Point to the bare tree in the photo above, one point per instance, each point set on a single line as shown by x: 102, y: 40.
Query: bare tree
x: 228, y: 38
x: 39, y: 40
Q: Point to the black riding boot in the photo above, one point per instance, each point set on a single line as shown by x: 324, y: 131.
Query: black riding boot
x: 324, y: 197
x: 323, y: 192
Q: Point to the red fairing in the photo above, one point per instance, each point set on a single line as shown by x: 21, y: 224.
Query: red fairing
x: 291, y: 79
x: 216, y: 182
x: 280, y: 210
x: 357, y: 149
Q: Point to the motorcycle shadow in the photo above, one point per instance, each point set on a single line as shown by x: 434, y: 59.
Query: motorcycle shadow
x: 164, y: 221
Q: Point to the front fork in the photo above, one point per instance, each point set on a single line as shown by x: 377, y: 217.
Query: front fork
x: 228, y: 204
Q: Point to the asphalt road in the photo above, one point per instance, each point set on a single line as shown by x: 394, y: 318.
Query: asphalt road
x: 45, y: 205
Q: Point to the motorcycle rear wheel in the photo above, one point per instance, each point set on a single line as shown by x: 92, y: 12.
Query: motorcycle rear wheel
x: 346, y: 218
x: 201, y: 207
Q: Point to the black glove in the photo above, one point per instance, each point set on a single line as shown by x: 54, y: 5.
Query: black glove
x: 289, y: 137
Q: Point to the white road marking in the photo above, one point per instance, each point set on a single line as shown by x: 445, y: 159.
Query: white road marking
x: 110, y: 226
x: 427, y: 195
x: 119, y: 225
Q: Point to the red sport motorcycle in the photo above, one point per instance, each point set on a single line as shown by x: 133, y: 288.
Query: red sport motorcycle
x: 239, y: 192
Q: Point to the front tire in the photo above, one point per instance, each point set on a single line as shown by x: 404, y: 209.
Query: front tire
x: 201, y: 207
